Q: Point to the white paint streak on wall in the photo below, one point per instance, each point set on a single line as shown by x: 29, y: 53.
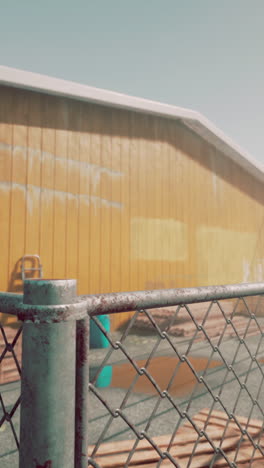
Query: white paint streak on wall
x: 48, y: 195
x: 20, y: 152
x: 19, y: 187
x: 32, y: 198
x: 5, y: 187
x: 46, y: 157
x: 5, y: 146
x: 215, y: 178
x: 92, y: 172
x: 110, y: 204
x: 32, y: 156
x: 158, y: 239
x: 71, y: 196
x: 85, y: 200
x: 246, y: 271
x: 214, y: 182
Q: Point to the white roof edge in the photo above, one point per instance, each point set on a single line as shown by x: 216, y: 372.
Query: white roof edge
x: 194, y: 120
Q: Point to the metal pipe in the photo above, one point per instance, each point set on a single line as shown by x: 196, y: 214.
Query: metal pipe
x: 128, y: 301
x: 48, y: 381
x: 9, y: 302
x: 82, y: 391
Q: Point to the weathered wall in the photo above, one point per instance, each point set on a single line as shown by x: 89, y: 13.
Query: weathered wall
x: 120, y: 200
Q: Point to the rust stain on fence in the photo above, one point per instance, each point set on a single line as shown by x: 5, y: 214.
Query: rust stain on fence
x: 182, y: 384
x: 47, y: 464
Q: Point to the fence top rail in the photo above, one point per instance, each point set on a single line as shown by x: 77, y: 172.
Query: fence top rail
x: 9, y: 302
x: 112, y: 303
x: 129, y: 301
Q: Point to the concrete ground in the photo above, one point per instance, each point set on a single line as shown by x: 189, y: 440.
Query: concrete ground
x: 140, y: 406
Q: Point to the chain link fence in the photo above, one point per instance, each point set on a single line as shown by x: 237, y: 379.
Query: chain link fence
x: 187, y: 381
x: 180, y: 384
x: 10, y: 371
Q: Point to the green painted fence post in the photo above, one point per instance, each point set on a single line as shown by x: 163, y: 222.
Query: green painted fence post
x: 47, y: 425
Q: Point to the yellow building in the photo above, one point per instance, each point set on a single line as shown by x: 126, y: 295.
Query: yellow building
x: 122, y: 193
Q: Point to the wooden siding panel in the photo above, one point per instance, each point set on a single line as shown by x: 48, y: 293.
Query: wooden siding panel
x: 105, y: 201
x: 143, y: 173
x: 47, y: 165
x: 178, y: 194
x: 32, y: 218
x: 85, y: 200
x: 125, y: 202
x: 6, y: 135
x: 116, y: 205
x: 134, y: 201
x: 125, y: 231
x: 73, y: 189
x: 18, y: 110
x: 60, y: 189
x: 95, y: 211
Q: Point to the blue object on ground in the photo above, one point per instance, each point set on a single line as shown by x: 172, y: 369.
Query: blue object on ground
x: 104, y: 378
x: 98, y: 340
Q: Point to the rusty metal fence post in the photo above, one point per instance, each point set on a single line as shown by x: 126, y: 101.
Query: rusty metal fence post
x: 82, y: 390
x: 55, y: 373
x: 50, y: 367
x: 48, y: 386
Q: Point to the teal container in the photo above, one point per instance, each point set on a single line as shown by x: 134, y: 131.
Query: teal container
x: 104, y: 378
x: 98, y: 340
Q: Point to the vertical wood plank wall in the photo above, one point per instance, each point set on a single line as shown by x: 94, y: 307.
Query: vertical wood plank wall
x: 120, y: 200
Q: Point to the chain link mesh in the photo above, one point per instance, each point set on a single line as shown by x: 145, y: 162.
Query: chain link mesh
x: 186, y: 387
x: 10, y: 371
x: 190, y: 372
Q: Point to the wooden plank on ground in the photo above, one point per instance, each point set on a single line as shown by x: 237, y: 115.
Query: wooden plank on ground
x: 182, y: 437
x: 243, y: 420
x: 115, y: 454
x: 243, y: 456
x: 151, y: 455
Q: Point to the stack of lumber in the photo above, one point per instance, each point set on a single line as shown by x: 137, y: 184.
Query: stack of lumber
x: 182, y: 324
x: 115, y: 454
x: 8, y: 367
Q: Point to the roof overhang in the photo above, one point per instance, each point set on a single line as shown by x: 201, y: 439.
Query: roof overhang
x: 191, y: 119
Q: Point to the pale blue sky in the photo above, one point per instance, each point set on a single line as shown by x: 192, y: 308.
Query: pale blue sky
x: 202, y: 54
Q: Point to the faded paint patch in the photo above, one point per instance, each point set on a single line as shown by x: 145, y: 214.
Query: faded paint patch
x: 158, y: 239
x: 222, y: 255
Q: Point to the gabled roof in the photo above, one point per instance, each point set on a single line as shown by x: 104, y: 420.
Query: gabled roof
x: 194, y: 120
